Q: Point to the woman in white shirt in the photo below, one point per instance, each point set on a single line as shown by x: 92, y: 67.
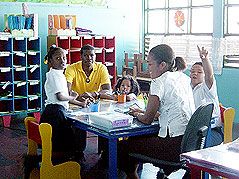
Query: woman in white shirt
x: 171, y: 96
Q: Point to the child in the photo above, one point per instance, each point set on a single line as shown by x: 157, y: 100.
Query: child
x: 57, y: 102
x: 126, y: 85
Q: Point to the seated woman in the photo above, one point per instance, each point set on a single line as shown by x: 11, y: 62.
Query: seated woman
x: 171, y: 95
x: 127, y: 85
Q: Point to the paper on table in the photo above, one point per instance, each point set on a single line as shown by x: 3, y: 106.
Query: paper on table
x: 234, y: 146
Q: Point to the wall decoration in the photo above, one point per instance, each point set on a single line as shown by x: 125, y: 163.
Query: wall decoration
x: 179, y: 18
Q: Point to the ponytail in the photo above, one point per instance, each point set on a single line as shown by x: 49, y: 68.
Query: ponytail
x: 179, y: 64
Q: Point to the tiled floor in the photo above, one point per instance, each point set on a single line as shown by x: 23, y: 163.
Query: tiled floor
x: 13, y: 144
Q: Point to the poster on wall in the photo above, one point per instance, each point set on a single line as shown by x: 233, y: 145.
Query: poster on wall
x: 85, y: 2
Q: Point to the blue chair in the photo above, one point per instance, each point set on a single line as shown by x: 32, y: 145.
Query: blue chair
x: 194, y: 139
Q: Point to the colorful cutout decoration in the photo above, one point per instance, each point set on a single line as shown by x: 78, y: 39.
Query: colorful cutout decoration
x: 179, y: 18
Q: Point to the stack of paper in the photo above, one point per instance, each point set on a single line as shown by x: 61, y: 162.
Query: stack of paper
x: 111, y: 119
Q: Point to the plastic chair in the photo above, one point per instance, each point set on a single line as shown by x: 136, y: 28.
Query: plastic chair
x: 41, y: 134
x: 194, y: 139
x: 227, y: 117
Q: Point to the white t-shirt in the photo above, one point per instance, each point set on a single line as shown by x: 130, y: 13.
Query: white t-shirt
x: 132, y: 96
x: 176, y: 102
x: 202, y: 94
x: 55, y: 83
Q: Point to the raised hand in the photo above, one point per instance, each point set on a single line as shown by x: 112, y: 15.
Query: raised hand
x: 202, y: 53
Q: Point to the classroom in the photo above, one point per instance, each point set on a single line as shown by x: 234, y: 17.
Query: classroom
x: 123, y: 35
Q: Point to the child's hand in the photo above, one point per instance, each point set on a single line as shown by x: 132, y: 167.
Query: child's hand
x: 85, y: 96
x: 128, y: 98
x: 202, y: 53
x: 115, y: 97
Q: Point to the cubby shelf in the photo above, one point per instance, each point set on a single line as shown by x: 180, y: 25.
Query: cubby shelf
x: 104, y: 49
x: 20, y: 77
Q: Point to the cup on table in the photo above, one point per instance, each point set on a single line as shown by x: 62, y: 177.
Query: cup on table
x: 121, y: 98
x: 94, y: 107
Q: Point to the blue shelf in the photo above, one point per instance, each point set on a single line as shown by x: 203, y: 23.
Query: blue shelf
x: 20, y: 67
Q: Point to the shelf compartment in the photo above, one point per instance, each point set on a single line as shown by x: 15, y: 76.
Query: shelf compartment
x: 33, y: 58
x: 33, y: 44
x: 88, y: 40
x: 63, y: 42
x: 20, y: 90
x: 6, y: 91
x: 6, y: 107
x: 34, y: 103
x: 109, y: 42
x: 74, y: 56
x: 110, y: 55
x: 6, y: 60
x: 20, y: 105
x: 20, y: 74
x: 33, y: 73
x: 5, y: 44
x: 75, y: 42
x: 19, y: 44
x: 19, y: 59
x: 34, y: 87
x: 6, y: 74
x: 111, y: 70
x: 99, y: 41
x: 100, y: 55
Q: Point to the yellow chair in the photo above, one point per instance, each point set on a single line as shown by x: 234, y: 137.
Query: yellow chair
x: 42, y: 134
x: 227, y: 116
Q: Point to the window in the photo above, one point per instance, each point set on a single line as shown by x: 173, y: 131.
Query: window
x: 183, y: 25
x: 174, y: 16
x: 231, y: 34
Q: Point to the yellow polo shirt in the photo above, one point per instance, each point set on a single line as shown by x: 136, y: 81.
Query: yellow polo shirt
x: 76, y: 76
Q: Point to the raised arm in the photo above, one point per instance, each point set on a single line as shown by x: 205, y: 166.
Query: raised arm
x: 207, y: 67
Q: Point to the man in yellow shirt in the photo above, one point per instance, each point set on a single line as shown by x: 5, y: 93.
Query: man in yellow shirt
x: 89, y: 79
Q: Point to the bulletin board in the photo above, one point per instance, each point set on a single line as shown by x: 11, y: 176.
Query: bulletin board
x: 85, y: 2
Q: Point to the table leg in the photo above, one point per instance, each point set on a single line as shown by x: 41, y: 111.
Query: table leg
x: 113, y: 158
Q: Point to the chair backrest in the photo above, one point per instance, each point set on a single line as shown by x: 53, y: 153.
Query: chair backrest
x: 33, y: 135
x: 129, y: 71
x: 46, y: 134
x: 227, y: 116
x: 42, y: 134
x: 197, y: 129
x: 127, y: 60
x: 222, y: 109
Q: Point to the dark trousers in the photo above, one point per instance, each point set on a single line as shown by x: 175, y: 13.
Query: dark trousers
x: 63, y: 138
x: 151, y: 145
x: 80, y: 136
